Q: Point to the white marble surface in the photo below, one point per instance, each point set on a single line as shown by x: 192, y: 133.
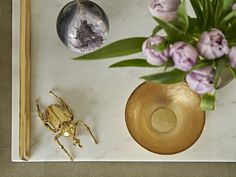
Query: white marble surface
x: 98, y: 94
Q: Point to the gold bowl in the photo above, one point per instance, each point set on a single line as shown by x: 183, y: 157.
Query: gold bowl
x: 164, y: 119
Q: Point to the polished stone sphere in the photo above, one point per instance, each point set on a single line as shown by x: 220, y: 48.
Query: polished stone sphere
x: 82, y: 26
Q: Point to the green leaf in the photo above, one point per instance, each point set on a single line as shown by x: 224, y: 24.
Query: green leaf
x: 169, y: 63
x: 233, y: 21
x: 116, y: 49
x: 214, y: 64
x: 233, y: 70
x: 156, y: 30
x: 218, y: 10
x: 182, y: 16
x: 162, y: 46
x: 228, y: 17
x: 174, y: 34
x: 227, y: 8
x: 171, y: 77
x: 228, y: 5
x: 217, y: 6
x: 208, y: 102
x: 231, y: 33
x: 232, y: 42
x: 208, y: 11
x: 221, y: 64
x: 202, y: 64
x: 193, y: 25
x: 198, y: 11
x: 132, y: 63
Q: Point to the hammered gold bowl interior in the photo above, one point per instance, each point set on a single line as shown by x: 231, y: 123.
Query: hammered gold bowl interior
x: 164, y: 119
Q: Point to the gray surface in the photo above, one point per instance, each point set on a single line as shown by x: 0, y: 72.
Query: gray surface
x: 9, y: 169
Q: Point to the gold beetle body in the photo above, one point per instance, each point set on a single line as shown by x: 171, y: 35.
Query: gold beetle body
x: 59, y: 118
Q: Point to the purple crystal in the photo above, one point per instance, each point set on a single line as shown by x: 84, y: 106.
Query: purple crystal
x: 82, y: 26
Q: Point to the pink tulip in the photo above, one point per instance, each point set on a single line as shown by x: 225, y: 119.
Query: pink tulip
x: 234, y: 6
x: 202, y: 80
x: 164, y: 9
x: 232, y: 57
x: 184, y: 56
x: 213, y: 44
x: 153, y: 56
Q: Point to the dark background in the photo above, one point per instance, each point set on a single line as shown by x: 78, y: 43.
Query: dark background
x: 10, y: 169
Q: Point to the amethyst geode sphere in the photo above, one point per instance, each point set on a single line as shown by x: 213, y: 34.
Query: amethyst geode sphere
x: 82, y: 26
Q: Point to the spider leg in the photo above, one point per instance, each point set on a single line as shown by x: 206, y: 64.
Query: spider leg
x: 87, y: 128
x: 76, y: 141
x: 40, y: 113
x: 43, y: 118
x: 62, y: 102
x: 56, y: 138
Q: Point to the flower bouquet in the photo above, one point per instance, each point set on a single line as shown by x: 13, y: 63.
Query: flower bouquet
x: 196, y: 50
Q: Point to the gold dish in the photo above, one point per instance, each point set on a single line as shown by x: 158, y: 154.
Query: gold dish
x: 164, y: 119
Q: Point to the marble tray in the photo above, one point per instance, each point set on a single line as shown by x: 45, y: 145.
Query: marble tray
x: 98, y: 94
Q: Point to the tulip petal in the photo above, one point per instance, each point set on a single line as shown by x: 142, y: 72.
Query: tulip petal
x: 202, y: 80
x: 213, y: 44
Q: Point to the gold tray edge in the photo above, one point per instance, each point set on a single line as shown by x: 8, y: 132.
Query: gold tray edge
x: 24, y: 123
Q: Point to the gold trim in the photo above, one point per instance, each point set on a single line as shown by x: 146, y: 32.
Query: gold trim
x: 24, y: 126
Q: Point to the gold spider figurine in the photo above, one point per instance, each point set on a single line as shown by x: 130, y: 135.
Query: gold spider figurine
x: 59, y: 118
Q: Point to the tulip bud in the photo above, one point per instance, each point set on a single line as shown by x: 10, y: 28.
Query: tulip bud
x: 164, y: 9
x: 234, y: 6
x: 184, y: 56
x: 232, y: 57
x: 202, y: 80
x: 153, y: 56
x: 213, y: 44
